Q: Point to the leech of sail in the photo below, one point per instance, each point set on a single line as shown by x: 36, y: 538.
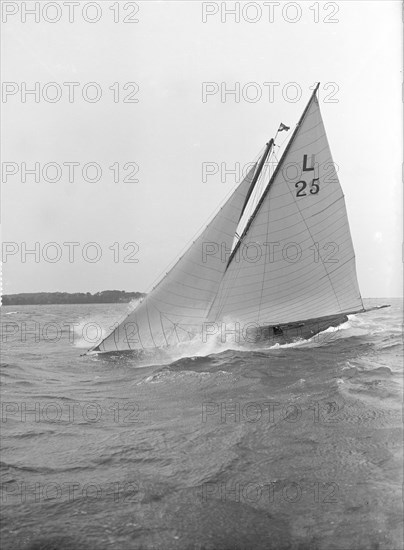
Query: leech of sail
x: 175, y: 310
x: 296, y: 261
x: 264, y: 194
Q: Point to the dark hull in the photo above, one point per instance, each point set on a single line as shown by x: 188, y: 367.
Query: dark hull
x: 289, y: 332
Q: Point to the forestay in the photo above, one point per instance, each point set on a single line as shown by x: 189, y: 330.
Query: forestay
x: 174, y: 311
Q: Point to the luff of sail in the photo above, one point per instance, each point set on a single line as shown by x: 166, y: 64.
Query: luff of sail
x: 296, y: 260
x: 174, y: 311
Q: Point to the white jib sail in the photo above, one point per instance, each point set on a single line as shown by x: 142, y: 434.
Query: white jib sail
x: 174, y: 311
x: 296, y: 260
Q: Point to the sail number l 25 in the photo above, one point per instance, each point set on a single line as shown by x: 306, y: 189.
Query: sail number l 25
x: 301, y: 184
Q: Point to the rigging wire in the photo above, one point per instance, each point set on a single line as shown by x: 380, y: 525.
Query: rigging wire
x: 161, y: 276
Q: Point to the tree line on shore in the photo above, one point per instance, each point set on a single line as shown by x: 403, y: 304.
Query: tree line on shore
x: 41, y: 298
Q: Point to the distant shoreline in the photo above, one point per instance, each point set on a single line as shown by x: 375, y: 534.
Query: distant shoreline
x: 45, y: 298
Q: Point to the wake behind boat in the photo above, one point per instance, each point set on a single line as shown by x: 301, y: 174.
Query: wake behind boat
x: 267, y: 269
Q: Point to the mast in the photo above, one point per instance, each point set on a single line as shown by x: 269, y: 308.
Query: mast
x: 267, y: 151
x: 264, y: 194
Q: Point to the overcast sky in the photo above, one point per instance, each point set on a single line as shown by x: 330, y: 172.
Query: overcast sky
x: 170, y: 132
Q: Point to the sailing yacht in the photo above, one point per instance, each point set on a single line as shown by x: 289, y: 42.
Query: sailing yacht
x: 287, y: 272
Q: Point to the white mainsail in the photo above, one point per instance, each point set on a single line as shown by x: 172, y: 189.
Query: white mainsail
x: 296, y: 259
x: 174, y: 311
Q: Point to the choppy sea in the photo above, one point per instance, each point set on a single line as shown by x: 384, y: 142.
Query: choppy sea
x: 288, y: 447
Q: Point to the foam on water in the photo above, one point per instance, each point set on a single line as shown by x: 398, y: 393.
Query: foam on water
x: 92, y: 329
